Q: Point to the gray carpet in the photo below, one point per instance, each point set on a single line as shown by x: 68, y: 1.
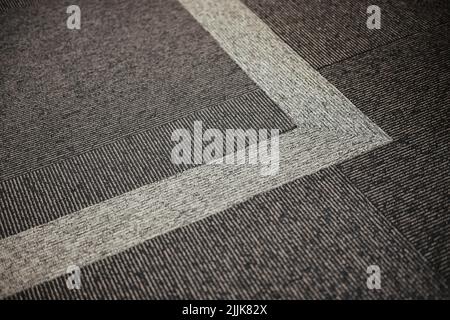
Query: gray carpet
x: 86, y: 176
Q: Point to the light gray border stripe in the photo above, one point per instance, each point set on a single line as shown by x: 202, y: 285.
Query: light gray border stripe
x: 308, y: 98
x: 330, y: 130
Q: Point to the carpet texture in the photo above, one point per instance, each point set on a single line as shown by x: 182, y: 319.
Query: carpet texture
x: 262, y: 248
x: 87, y: 178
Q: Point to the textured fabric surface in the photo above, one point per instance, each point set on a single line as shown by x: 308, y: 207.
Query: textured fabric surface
x: 399, y: 76
x: 286, y: 243
x: 6, y: 5
x: 64, y: 94
x: 330, y: 129
x: 67, y: 186
x: 86, y: 118
x: 409, y: 180
x: 328, y: 31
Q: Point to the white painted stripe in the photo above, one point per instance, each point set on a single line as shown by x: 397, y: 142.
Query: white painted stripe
x: 330, y: 129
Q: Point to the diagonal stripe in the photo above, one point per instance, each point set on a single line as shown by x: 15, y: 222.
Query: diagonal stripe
x: 44, y: 252
x: 257, y: 250
x: 311, y: 101
x: 78, y: 182
x: 330, y: 130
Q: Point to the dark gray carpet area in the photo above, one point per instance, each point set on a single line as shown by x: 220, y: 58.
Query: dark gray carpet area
x: 399, y: 76
x: 287, y: 243
x: 328, y: 31
x: 66, y: 93
x: 87, y: 116
x: 405, y: 88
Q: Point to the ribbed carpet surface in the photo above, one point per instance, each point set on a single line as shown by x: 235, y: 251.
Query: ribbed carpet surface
x: 87, y: 176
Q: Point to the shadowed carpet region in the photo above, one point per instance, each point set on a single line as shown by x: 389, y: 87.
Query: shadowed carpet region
x: 359, y: 137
